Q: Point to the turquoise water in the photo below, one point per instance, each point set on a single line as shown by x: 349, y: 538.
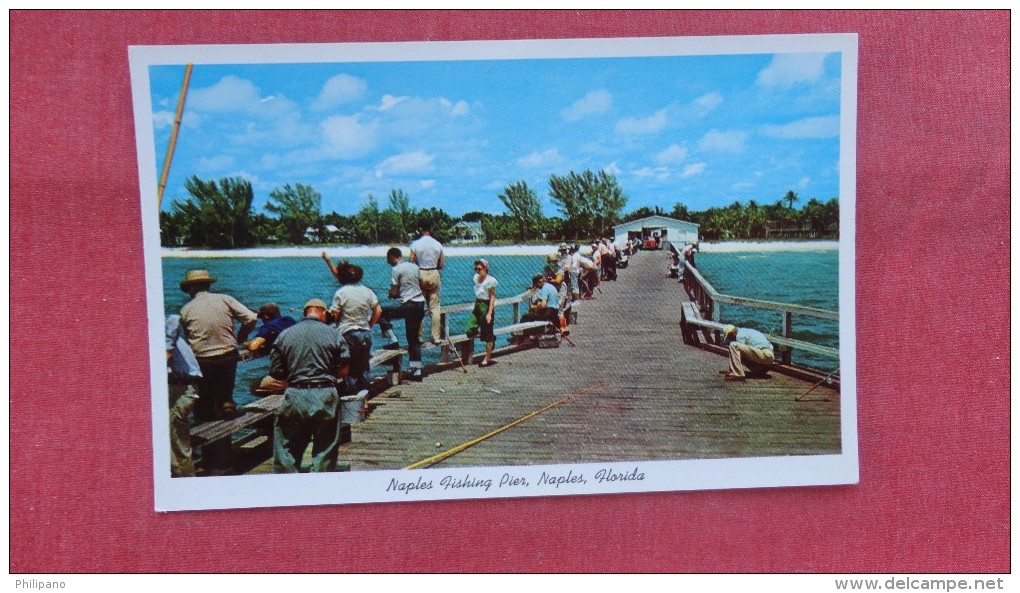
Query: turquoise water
x: 805, y: 278
x: 809, y: 278
x: 291, y: 281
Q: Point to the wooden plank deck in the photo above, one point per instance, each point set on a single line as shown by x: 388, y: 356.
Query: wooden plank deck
x: 634, y: 392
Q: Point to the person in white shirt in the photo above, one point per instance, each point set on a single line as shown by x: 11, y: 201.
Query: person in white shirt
x: 406, y: 286
x: 428, y: 254
x: 481, y: 320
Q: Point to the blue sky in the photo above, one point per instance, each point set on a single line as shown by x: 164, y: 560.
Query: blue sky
x: 702, y: 130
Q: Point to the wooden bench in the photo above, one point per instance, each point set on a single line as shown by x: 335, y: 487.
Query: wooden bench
x: 259, y: 411
x: 453, y: 341
x: 691, y: 319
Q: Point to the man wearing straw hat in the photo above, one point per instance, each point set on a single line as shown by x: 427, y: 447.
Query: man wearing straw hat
x: 208, y: 320
x: 750, y: 348
x: 311, y: 357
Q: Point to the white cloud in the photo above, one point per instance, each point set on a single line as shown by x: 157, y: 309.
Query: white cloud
x: 340, y: 89
x: 427, y: 183
x: 389, y: 101
x: 804, y: 181
x: 674, y: 154
x: 540, y: 159
x: 742, y: 185
x: 612, y: 168
x: 408, y: 162
x: 593, y: 103
x: 659, y: 173
x: 811, y: 127
x: 237, y: 95
x: 643, y: 125
x: 458, y: 108
x: 346, y: 136
x: 790, y: 69
x: 162, y: 119
x: 726, y: 141
x: 693, y: 169
x: 709, y: 101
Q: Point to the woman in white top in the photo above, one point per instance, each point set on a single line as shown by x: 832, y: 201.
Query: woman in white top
x: 480, y: 321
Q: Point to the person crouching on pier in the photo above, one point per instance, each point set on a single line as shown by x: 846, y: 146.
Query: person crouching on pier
x: 750, y: 348
x: 481, y: 320
x: 310, y: 357
x: 356, y: 309
x: 544, y: 305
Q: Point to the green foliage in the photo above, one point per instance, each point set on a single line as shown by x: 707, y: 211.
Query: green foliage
x: 298, y: 208
x: 498, y: 227
x: 367, y: 222
x: 400, y: 206
x: 524, y: 210
x: 591, y: 203
x: 773, y: 221
x: 441, y: 222
x: 217, y: 215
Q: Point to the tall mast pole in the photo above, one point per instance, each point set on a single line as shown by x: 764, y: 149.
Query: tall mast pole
x: 173, y: 134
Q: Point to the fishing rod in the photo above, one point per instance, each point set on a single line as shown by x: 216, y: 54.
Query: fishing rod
x: 825, y: 379
x: 429, y: 462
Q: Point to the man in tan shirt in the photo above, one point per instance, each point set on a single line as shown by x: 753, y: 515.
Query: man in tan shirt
x: 208, y: 321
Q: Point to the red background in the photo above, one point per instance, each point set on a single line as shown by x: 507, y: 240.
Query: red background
x: 932, y: 319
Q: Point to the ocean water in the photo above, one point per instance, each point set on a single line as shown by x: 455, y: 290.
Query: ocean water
x: 809, y: 278
x: 291, y: 281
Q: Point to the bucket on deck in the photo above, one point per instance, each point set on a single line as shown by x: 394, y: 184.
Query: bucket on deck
x: 351, y: 407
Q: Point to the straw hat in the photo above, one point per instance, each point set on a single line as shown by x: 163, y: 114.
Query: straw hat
x: 196, y: 277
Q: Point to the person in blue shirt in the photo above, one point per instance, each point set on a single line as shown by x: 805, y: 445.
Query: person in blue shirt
x: 750, y: 348
x: 273, y: 322
x: 544, y: 304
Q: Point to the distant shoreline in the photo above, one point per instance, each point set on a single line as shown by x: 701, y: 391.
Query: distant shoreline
x: 476, y: 250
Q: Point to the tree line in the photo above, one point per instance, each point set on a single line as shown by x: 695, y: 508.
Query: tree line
x: 219, y: 215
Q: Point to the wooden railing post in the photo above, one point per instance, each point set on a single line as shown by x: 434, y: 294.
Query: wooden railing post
x: 788, y: 333
x: 517, y: 311
x: 444, y: 332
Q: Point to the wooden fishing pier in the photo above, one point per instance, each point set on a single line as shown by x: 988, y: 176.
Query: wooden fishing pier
x: 631, y: 389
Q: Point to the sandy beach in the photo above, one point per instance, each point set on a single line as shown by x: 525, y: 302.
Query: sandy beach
x: 477, y: 250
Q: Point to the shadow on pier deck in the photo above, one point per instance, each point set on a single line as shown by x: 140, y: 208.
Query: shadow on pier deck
x: 633, y: 392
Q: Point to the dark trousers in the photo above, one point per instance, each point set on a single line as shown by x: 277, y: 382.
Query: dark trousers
x: 412, y: 313
x: 546, y: 314
x: 216, y: 387
x: 359, y: 342
x: 609, y: 267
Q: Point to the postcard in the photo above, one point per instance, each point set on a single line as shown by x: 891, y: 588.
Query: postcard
x: 389, y: 272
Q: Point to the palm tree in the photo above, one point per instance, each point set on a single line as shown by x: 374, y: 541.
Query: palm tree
x: 791, y: 197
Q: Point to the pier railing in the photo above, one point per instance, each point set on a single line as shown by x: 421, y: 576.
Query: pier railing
x: 709, y: 302
x: 515, y: 325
